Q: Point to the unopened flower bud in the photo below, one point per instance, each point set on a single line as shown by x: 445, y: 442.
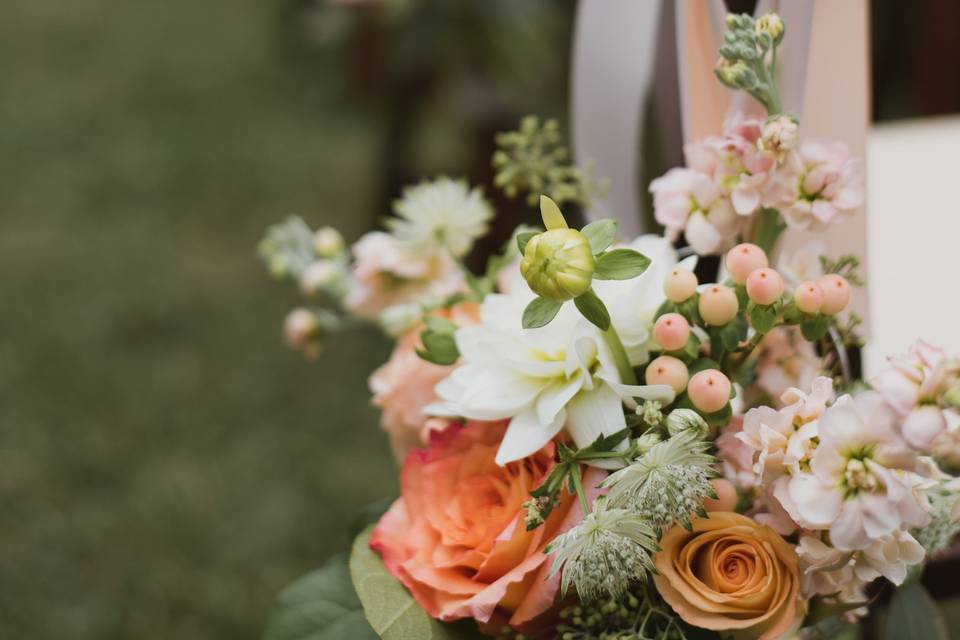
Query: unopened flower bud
x: 952, y: 395
x: 558, y: 264
x: 836, y: 294
x: 709, y: 390
x: 744, y: 259
x: 300, y: 327
x: 680, y: 285
x: 318, y: 276
x: 718, y: 305
x: 780, y: 134
x: 772, y: 25
x: 646, y: 442
x: 681, y: 420
x: 729, y: 72
x: 327, y: 242
x: 764, y: 286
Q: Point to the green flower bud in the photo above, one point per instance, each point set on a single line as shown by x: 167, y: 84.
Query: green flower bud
x: 952, y: 396
x: 772, y: 25
x: 646, y: 442
x: 681, y: 420
x: 558, y: 264
x: 729, y: 72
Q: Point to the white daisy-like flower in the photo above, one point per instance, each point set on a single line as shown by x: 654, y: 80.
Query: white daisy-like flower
x: 542, y: 380
x: 441, y: 215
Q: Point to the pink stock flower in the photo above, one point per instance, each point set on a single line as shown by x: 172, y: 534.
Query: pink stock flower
x: 386, y: 273
x: 911, y: 384
x: 690, y: 201
x: 405, y: 385
x: 456, y: 537
x: 828, y: 184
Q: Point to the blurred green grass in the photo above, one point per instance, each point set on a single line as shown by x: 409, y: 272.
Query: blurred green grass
x: 165, y: 464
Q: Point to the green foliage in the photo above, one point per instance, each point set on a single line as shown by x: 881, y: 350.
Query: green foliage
x: 763, y: 317
x: 770, y: 225
x: 523, y: 238
x: 390, y: 610
x: 320, y: 606
x: 913, y: 615
x: 815, y: 326
x: 533, y: 160
x: 592, y: 308
x: 847, y: 266
x: 439, y: 343
x: 620, y: 264
x: 540, y: 312
x: 601, y: 234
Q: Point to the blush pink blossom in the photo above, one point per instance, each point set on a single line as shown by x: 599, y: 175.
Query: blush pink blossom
x: 685, y: 200
x: 828, y: 187
x: 386, y: 273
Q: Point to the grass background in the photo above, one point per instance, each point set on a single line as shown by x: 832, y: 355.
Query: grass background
x: 166, y: 466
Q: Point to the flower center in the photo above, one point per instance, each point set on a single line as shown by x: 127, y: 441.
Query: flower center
x: 857, y: 477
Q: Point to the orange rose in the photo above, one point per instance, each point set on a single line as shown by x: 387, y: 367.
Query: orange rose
x: 730, y: 573
x: 456, y: 538
x: 404, y: 385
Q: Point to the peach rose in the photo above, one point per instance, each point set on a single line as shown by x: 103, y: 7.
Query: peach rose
x: 404, y: 385
x: 456, y: 537
x: 730, y: 574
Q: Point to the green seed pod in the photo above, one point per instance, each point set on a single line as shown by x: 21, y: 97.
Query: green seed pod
x: 558, y: 264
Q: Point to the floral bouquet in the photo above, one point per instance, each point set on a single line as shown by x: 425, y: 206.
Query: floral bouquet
x: 594, y: 443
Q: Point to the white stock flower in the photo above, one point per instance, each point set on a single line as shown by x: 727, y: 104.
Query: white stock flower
x: 542, y: 379
x: 439, y: 215
x: 858, y: 485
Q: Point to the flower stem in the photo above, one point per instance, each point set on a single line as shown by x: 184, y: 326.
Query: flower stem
x: 627, y: 376
x: 578, y: 486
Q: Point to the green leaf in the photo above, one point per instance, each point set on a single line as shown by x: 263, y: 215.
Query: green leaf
x: 320, y: 606
x: 702, y: 364
x: 913, y: 615
x: 814, y: 327
x: 439, y: 348
x: 593, y: 309
x: 763, y: 317
x: 603, y: 444
x: 792, y: 315
x: 620, y: 264
x: 390, y: 610
x: 600, y: 234
x: 551, y: 214
x: 733, y: 333
x: 523, y: 238
x: 540, y: 312
x: 439, y: 325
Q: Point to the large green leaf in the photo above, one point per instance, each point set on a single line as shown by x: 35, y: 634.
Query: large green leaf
x: 320, y: 606
x: 540, y: 312
x: 913, y: 615
x: 600, y: 234
x: 390, y: 609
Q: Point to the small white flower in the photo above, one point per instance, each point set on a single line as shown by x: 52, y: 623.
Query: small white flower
x: 607, y: 550
x: 441, y: 215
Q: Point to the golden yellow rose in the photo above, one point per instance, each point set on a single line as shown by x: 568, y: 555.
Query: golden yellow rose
x: 730, y: 574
